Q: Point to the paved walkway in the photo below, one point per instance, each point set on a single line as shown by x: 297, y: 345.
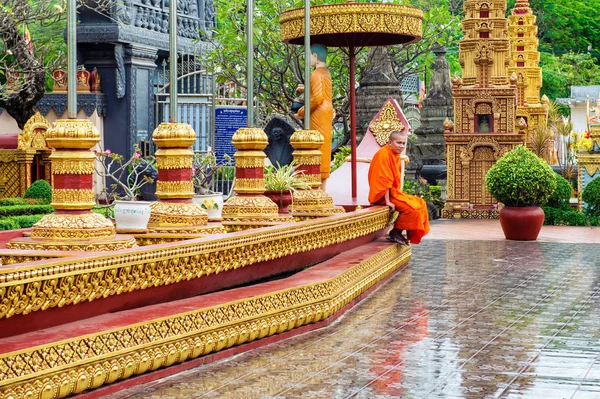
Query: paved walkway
x: 473, y: 316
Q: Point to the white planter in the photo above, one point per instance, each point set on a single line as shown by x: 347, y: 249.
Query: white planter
x: 132, y: 216
x: 212, y: 204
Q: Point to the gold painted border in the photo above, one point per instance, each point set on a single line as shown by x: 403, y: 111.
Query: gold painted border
x: 72, y: 366
x: 56, y: 283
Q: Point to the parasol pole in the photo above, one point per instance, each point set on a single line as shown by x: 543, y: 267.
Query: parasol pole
x: 353, y: 119
x: 71, y: 59
x: 173, y: 61
x: 307, y: 57
x: 250, y: 60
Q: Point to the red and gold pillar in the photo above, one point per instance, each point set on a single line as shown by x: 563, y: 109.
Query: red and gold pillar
x: 175, y: 213
x: 73, y: 226
x: 312, y: 203
x: 250, y: 208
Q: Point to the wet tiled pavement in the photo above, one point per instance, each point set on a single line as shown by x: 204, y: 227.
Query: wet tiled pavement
x: 465, y: 319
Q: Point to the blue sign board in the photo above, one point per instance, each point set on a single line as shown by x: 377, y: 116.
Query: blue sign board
x: 228, y: 119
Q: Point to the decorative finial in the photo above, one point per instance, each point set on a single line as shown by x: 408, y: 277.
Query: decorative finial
x: 522, y: 125
x: 456, y: 80
x: 514, y: 79
x: 448, y: 126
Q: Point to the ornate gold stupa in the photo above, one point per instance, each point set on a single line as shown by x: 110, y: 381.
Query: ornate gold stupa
x: 524, y: 62
x: 485, y: 105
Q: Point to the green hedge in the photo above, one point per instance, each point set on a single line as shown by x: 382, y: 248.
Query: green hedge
x: 19, y: 201
x: 19, y: 222
x: 562, y: 193
x: 40, y: 189
x: 591, y: 196
x: 568, y: 217
x: 8, y: 224
x: 18, y: 210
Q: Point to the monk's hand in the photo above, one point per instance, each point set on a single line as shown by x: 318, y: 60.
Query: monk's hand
x: 392, y: 206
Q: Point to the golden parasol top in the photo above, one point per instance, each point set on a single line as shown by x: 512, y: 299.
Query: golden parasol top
x: 354, y: 25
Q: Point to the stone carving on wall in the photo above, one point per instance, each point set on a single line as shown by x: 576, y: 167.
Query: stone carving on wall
x: 437, y: 106
x: 120, y: 70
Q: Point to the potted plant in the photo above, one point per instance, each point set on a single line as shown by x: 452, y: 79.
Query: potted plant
x: 206, y: 170
x: 281, y: 182
x: 522, y: 182
x: 127, y: 177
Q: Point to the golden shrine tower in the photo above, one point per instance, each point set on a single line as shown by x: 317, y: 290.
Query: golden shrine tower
x: 524, y: 62
x: 485, y: 106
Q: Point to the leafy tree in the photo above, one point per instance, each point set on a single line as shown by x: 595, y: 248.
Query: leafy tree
x: 279, y: 68
x: 20, y: 98
x: 569, y: 69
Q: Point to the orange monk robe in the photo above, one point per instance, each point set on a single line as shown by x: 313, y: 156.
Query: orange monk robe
x: 384, y: 175
x: 321, y: 113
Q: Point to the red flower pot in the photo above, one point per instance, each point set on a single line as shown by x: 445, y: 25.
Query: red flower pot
x: 521, y: 223
x: 283, y: 199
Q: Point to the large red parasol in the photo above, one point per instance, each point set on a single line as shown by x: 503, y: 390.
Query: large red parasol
x: 352, y: 26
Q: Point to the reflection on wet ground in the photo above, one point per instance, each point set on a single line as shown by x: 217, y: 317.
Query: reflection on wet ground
x: 466, y: 319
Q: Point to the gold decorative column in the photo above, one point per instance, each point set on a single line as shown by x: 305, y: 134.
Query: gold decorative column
x: 73, y: 226
x: 250, y: 208
x: 312, y: 203
x: 175, y: 213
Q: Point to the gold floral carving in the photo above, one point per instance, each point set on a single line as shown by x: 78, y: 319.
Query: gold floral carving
x: 589, y: 162
x: 72, y: 162
x: 164, y: 213
x: 32, y: 127
x: 353, y: 18
x: 174, y: 135
x: 249, y: 186
x: 174, y: 161
x: 72, y: 133
x: 250, y: 139
x: 249, y: 159
x: 12, y: 258
x: 85, y: 226
x: 90, y: 361
x: 67, y: 197
x: 103, y: 245
x: 306, y: 140
x: 59, y: 282
x: 7, y: 156
x: 170, y: 233
x: 387, y: 122
x: 308, y: 157
x: 241, y: 205
x: 174, y: 189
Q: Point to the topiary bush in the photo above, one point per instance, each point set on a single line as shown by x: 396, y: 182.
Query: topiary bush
x: 568, y: 217
x: 562, y: 193
x: 520, y: 178
x: 40, y: 189
x: 591, y: 197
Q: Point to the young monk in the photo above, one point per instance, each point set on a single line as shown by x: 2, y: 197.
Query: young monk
x: 384, y: 182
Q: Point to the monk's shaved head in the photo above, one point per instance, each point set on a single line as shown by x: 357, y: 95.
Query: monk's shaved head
x: 397, y: 141
x: 396, y: 133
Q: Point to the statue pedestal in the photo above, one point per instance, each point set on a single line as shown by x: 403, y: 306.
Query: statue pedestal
x: 314, y: 203
x: 175, y: 213
x: 73, y: 226
x: 250, y: 208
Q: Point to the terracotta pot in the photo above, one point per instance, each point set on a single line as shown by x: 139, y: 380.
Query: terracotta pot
x: 283, y: 199
x: 521, y: 223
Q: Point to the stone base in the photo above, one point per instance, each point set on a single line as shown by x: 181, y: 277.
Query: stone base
x: 73, y: 226
x: 310, y: 204
x: 178, y: 231
x: 245, y: 212
x: 106, y: 244
x: 247, y: 223
x: 181, y: 218
x: 162, y: 238
x: 452, y: 211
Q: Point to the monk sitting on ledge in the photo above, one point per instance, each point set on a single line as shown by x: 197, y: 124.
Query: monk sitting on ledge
x: 385, y: 189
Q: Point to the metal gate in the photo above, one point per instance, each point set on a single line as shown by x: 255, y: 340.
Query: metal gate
x: 196, y: 99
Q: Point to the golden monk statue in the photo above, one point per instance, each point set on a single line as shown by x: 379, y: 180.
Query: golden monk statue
x: 321, y: 105
x: 385, y: 188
